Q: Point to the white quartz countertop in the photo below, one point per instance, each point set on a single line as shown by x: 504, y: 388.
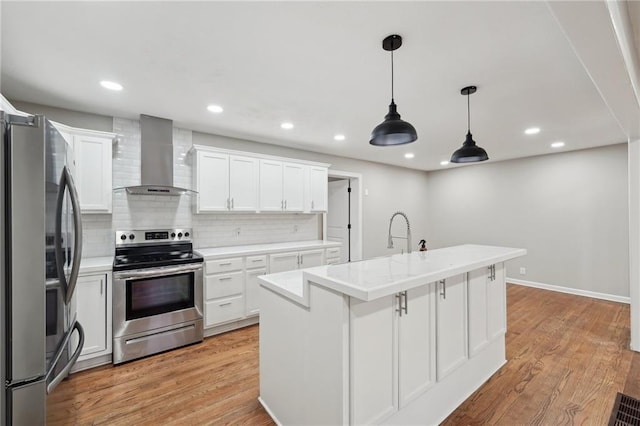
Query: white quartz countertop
x: 90, y: 265
x: 248, y: 250
x: 375, y: 278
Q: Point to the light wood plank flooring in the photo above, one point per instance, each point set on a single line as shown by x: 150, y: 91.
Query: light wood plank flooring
x: 567, y: 357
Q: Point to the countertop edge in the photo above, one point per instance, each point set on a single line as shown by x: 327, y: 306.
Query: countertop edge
x: 248, y: 250
x: 89, y: 265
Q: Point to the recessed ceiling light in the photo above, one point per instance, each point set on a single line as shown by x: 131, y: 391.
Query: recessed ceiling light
x: 111, y: 85
x: 532, y: 131
x: 215, y: 109
x: 339, y: 137
x: 409, y: 155
x: 558, y: 144
x: 287, y: 126
x: 444, y: 163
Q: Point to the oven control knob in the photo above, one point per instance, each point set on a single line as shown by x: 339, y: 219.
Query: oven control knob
x: 179, y: 234
x: 186, y: 234
x: 123, y: 237
x: 131, y: 236
x: 173, y: 235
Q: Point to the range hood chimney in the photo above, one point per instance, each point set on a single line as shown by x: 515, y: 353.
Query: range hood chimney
x: 156, y: 159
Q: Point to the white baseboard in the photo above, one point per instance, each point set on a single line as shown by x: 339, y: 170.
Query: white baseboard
x: 569, y: 290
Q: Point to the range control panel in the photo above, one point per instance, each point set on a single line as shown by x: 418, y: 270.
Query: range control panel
x: 153, y: 236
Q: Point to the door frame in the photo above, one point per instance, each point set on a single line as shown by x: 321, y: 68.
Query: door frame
x: 356, y: 209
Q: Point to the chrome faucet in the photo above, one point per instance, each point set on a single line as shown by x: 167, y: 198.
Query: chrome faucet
x: 408, y: 237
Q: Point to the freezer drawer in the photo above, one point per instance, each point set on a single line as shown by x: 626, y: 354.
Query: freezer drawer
x: 27, y: 404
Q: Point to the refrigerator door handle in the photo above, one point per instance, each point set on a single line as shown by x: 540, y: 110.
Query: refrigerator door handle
x: 66, y: 182
x: 51, y: 385
x: 77, y: 235
x: 58, y: 232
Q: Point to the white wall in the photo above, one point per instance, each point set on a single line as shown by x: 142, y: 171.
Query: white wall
x: 569, y: 210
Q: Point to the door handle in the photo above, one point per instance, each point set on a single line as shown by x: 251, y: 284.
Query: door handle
x: 443, y: 292
x: 311, y: 204
x: 285, y: 204
x: 403, y: 303
x: 232, y: 203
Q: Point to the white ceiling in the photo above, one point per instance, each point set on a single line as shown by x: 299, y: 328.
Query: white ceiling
x: 319, y: 65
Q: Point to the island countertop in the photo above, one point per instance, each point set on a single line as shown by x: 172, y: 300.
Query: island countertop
x: 379, y: 277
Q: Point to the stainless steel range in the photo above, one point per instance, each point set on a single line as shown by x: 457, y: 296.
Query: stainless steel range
x: 157, y: 294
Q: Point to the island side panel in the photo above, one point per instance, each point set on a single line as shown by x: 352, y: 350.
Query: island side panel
x: 304, y: 357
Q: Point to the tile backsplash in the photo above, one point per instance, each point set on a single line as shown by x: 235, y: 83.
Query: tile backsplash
x: 150, y: 212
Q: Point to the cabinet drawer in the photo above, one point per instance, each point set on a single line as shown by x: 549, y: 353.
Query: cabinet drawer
x: 223, y: 265
x: 223, y: 310
x: 256, y: 262
x: 221, y: 285
x: 333, y: 252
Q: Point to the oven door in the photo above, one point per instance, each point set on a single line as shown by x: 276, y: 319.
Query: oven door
x: 149, y: 299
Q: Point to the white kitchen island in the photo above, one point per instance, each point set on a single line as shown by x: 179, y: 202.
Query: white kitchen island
x: 396, y: 340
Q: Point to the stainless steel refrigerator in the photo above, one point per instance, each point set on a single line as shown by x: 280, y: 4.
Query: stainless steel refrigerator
x: 41, y: 242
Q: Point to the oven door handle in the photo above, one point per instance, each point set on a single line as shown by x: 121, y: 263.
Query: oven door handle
x: 156, y: 272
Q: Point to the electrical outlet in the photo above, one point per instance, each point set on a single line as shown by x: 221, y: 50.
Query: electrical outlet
x: 295, y: 228
x: 523, y: 270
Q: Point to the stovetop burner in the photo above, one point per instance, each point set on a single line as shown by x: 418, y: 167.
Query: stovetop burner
x: 154, y: 248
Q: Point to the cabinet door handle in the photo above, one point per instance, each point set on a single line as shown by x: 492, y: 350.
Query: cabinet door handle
x: 232, y: 203
x: 406, y: 303
x: 101, y: 284
x: 302, y: 259
x: 224, y: 304
x: 281, y: 204
x: 227, y: 204
x: 225, y: 264
x: 224, y: 278
x: 443, y: 293
x: 399, y: 309
x: 311, y: 204
x: 285, y: 204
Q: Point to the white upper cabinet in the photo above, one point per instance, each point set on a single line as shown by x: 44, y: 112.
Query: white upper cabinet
x: 225, y: 182
x: 271, y: 186
x: 93, y: 171
x: 212, y: 182
x: 245, y: 182
x: 293, y: 187
x: 91, y: 167
x: 318, y: 189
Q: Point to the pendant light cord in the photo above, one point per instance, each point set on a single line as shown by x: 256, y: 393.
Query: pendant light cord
x: 468, y: 115
x: 392, y: 77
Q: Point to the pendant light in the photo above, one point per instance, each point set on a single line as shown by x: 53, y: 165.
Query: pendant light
x: 469, y: 152
x: 393, y: 130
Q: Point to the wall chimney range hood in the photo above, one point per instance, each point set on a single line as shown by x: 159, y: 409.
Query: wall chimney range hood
x: 156, y: 159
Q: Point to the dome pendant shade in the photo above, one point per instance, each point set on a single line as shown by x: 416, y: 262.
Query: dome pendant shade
x: 469, y: 153
x: 393, y: 130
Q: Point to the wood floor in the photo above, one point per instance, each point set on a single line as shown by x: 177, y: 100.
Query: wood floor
x: 567, y: 358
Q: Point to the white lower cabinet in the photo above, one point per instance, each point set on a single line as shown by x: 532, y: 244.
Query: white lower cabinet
x: 404, y: 339
x: 223, y: 291
x: 332, y: 256
x: 451, y: 311
x: 281, y: 262
x: 252, y: 298
x: 487, y: 306
x: 93, y: 306
x: 231, y: 288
